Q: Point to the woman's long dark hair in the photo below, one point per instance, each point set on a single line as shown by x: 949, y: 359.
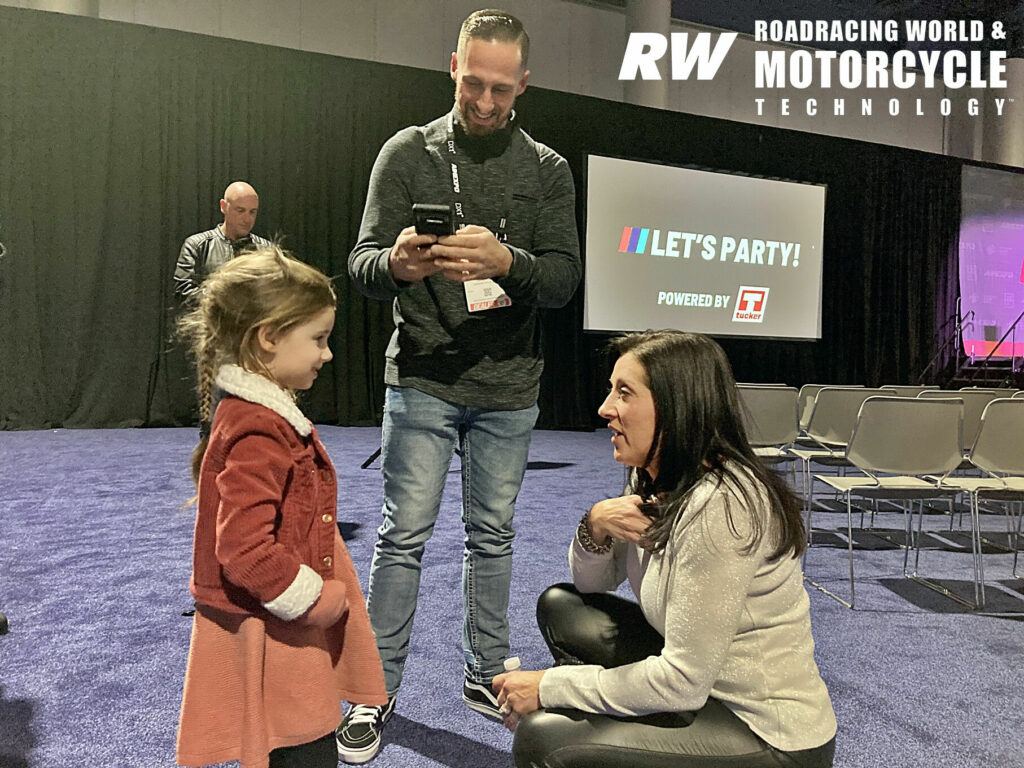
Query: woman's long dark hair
x: 698, y: 431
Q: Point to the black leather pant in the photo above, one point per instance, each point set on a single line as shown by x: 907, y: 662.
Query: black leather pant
x: 607, y: 630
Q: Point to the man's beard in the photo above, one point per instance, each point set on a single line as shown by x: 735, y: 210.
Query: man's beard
x: 475, y: 130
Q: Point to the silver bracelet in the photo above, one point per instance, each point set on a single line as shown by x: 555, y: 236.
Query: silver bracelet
x: 587, y: 541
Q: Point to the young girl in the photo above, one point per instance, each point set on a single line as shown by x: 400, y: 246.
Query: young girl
x: 280, y: 635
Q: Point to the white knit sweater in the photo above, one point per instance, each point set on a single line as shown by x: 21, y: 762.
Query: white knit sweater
x: 736, y: 627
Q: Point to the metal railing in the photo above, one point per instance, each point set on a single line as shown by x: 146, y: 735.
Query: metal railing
x: 952, y: 337
x: 1012, y: 333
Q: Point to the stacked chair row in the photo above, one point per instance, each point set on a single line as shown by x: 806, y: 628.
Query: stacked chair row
x: 910, y: 444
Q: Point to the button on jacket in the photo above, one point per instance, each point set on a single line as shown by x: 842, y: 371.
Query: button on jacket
x: 267, y: 500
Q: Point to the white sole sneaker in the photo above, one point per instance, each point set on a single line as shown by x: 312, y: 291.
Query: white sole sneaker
x: 359, y: 735
x: 479, y: 698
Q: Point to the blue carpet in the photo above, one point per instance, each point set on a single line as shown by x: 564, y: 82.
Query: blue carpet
x: 95, y: 544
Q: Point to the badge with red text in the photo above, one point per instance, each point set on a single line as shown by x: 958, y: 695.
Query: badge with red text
x: 485, y: 294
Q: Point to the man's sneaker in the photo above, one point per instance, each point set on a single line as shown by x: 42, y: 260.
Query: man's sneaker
x: 358, y: 736
x: 479, y: 698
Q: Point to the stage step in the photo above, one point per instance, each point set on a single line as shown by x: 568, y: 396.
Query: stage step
x: 998, y: 372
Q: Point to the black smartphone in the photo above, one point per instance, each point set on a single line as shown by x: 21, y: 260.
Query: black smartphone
x: 433, y: 219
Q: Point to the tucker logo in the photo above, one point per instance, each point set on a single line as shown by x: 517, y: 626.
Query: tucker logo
x: 750, y: 304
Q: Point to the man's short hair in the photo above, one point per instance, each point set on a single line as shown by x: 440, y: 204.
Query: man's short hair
x: 495, y: 26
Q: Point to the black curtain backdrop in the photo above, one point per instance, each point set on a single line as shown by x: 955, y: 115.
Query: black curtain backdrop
x: 117, y: 140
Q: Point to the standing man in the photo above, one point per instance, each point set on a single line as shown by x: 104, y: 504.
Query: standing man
x: 463, y: 366
x: 205, y: 252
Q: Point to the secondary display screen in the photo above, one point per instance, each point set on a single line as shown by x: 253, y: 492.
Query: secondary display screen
x: 701, y: 251
x: 992, y: 260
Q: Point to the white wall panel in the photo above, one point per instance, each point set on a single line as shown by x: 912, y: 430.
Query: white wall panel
x: 596, y: 39
x: 413, y: 35
x: 116, y: 10
x: 200, y: 16
x: 262, y: 21
x: 339, y: 27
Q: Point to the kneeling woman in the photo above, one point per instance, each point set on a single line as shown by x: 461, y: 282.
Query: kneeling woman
x: 715, y: 666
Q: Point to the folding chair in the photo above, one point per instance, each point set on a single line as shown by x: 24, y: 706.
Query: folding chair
x: 974, y: 401
x: 999, y: 452
x: 770, y: 421
x: 908, y: 390
x: 897, y: 443
x: 805, y: 399
x: 828, y: 430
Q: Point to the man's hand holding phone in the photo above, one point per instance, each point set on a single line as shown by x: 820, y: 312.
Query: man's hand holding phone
x: 410, y: 259
x: 472, y: 253
x: 432, y: 245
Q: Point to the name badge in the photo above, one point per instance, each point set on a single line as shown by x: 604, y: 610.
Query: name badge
x: 485, y: 294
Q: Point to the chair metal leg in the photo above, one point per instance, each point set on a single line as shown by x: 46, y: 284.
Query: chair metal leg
x: 1016, y: 538
x: 908, y: 533
x: 917, y: 544
x: 979, y: 566
x: 979, y: 586
x: 1009, y: 526
x: 808, y: 495
x: 849, y: 547
x: 849, y: 544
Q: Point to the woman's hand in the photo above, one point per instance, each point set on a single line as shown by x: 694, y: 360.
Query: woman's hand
x: 518, y: 694
x: 619, y: 518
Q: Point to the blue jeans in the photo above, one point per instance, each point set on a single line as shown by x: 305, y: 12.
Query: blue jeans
x: 419, y: 435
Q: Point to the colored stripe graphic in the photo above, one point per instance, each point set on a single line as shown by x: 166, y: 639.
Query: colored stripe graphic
x: 642, y: 244
x: 633, y: 238
x: 624, y: 242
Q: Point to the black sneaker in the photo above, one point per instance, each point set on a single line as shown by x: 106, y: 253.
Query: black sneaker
x: 479, y: 698
x: 358, y: 736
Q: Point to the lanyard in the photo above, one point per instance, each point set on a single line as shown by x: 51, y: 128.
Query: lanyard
x: 456, y: 162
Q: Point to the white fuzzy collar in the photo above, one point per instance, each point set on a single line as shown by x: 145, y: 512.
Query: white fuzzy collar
x: 237, y: 381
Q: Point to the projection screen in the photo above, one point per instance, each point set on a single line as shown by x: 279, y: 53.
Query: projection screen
x: 711, y: 252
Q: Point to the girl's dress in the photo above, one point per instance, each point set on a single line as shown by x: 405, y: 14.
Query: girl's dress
x: 255, y: 682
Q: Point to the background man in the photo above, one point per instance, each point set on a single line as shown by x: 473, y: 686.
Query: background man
x: 205, y: 252
x: 463, y: 366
